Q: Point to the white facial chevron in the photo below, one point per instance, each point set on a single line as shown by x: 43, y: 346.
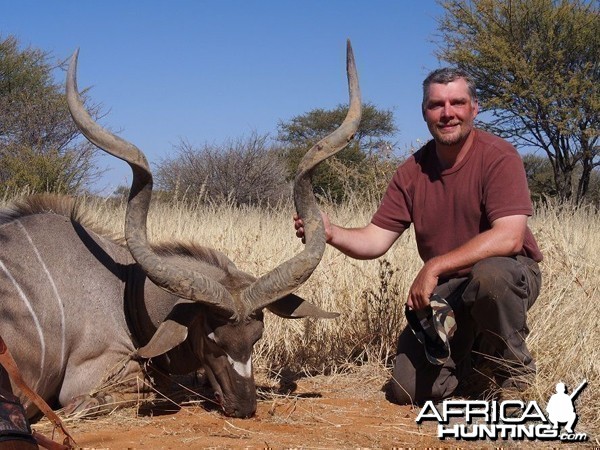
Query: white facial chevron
x: 243, y: 369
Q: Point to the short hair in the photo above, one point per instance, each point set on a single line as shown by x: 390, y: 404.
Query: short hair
x: 445, y: 75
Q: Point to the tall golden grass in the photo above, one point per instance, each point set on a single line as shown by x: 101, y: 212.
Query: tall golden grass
x: 369, y: 295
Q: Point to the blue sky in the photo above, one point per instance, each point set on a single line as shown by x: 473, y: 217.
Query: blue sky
x: 206, y: 71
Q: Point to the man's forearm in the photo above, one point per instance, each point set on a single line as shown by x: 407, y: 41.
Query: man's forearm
x: 504, y: 239
x: 368, y: 242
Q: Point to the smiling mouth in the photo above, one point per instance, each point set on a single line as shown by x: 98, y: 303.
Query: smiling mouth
x: 447, y: 127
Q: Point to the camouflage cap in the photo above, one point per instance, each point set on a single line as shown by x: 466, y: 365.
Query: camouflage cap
x: 433, y: 326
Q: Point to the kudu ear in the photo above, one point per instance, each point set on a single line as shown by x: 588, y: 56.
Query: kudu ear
x: 172, y: 331
x: 168, y: 336
x: 293, y: 307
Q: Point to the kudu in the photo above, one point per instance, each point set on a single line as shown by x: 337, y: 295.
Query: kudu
x: 81, y: 311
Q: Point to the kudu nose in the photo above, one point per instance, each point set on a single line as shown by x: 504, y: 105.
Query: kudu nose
x: 241, y: 413
x: 240, y: 410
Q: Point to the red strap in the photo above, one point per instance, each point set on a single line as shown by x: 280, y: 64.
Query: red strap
x: 7, y: 361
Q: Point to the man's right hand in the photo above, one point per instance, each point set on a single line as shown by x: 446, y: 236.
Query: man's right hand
x: 299, y: 226
x: 366, y: 242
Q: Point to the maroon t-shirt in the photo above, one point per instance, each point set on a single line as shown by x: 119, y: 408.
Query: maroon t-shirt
x: 449, y: 207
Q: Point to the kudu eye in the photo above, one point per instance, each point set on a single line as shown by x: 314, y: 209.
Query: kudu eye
x: 212, y: 337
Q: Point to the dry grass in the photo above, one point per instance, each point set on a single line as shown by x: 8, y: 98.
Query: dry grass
x: 565, y: 337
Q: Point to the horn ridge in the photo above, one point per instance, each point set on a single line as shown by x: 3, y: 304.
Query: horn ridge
x: 180, y: 281
x: 288, y: 276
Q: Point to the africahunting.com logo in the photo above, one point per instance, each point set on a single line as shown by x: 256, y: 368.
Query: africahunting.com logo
x: 509, y: 419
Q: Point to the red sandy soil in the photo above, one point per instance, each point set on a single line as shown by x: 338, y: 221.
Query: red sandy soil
x: 322, y: 412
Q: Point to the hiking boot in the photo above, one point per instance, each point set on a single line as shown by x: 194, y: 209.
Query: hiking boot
x: 514, y: 378
x: 15, y: 431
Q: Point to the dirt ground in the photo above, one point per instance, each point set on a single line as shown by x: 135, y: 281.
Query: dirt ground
x: 323, y: 412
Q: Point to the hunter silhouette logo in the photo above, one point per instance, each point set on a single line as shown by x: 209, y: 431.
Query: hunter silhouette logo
x: 561, y: 407
x: 509, y: 419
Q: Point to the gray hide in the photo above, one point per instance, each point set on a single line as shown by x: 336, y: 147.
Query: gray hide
x: 75, y: 307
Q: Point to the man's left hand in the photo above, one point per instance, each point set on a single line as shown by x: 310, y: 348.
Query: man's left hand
x: 422, y: 287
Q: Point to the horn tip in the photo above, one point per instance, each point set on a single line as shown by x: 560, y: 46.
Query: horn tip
x: 73, y: 63
x: 349, y: 53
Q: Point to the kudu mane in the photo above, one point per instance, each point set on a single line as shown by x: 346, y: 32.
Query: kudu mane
x: 41, y: 204
x: 71, y: 208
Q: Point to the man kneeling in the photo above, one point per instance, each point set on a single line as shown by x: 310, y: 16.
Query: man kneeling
x: 466, y: 194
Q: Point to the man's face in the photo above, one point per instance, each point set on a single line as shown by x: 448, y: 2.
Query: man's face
x: 450, y: 112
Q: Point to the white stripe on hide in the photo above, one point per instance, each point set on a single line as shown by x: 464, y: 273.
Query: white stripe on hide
x: 35, y: 320
x: 61, y: 307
